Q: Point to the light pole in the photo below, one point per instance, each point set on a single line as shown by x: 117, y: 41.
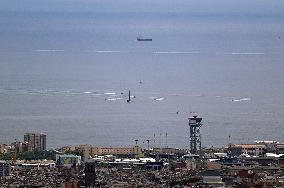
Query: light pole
x: 148, y: 141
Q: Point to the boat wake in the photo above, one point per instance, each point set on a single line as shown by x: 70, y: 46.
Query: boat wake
x: 154, y: 52
x: 157, y: 98
x: 107, y: 51
x: 110, y: 93
x: 242, y: 53
x: 240, y: 99
x: 48, y: 50
x: 87, y: 92
x: 176, y: 52
x: 113, y: 99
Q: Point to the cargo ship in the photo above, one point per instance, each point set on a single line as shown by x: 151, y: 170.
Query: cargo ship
x: 143, y: 39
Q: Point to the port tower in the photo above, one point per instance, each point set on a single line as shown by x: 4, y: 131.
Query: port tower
x: 195, y: 124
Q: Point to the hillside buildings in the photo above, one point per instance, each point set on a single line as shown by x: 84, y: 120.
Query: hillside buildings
x: 256, y: 164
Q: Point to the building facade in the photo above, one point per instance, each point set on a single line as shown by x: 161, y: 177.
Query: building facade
x: 68, y: 160
x: 90, y: 175
x: 21, y: 146
x: 86, y: 150
x: 36, y: 141
x: 136, y: 150
x: 250, y: 149
x: 4, y: 148
x: 280, y: 148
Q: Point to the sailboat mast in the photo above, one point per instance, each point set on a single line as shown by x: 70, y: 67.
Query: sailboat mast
x: 128, y: 100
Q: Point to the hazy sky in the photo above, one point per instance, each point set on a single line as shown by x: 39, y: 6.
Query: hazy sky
x: 225, y: 6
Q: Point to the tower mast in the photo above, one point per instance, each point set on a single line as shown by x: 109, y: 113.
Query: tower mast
x: 195, y: 136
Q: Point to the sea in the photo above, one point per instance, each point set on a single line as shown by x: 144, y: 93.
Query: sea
x: 66, y: 67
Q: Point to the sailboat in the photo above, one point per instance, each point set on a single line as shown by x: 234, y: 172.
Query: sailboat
x: 129, y: 100
x: 143, y: 39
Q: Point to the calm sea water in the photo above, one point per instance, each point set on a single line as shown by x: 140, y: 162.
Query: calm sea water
x: 66, y: 67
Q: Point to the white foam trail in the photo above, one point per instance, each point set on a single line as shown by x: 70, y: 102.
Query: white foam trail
x: 113, y: 99
x: 243, y: 53
x: 185, y: 95
x: 240, y: 99
x: 160, y: 99
x: 108, y: 51
x: 176, y: 52
x: 157, y: 98
x: 87, y: 92
x: 69, y: 95
x: 48, y: 50
x: 110, y: 93
x: 148, y: 93
x: 96, y: 94
x: 236, y: 100
x: 66, y: 91
x: 245, y: 99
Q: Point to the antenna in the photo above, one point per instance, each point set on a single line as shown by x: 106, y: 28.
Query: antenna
x: 229, y: 146
x: 161, y: 141
x: 167, y: 140
x: 154, y: 140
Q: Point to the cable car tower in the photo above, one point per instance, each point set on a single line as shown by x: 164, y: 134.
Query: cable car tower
x: 195, y: 136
